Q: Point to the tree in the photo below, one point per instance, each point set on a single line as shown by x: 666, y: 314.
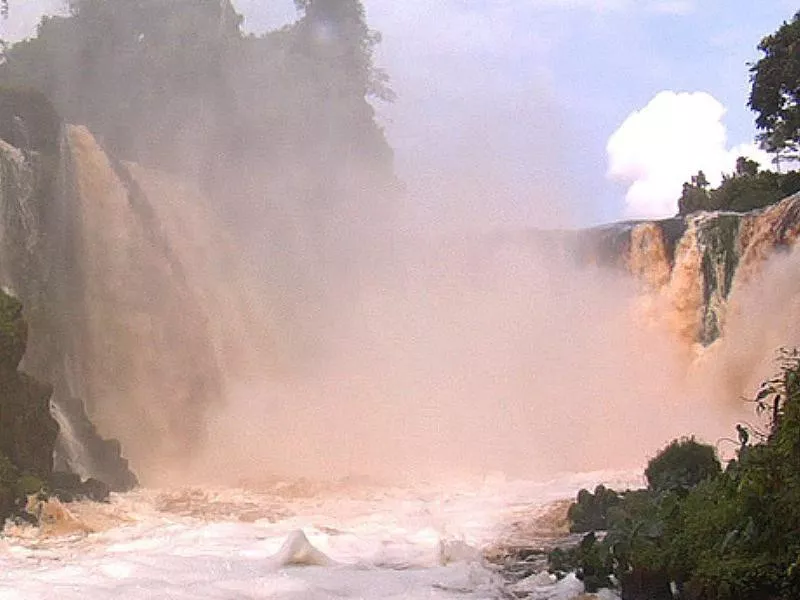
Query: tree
x: 144, y: 76
x: 700, y: 180
x: 744, y: 190
x: 695, y: 195
x: 775, y: 93
x: 745, y: 166
x: 681, y: 466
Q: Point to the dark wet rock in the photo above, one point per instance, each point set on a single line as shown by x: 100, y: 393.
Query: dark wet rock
x: 68, y: 487
x: 103, y: 456
x: 96, y: 490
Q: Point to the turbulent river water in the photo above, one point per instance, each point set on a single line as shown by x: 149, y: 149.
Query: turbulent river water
x: 427, y: 541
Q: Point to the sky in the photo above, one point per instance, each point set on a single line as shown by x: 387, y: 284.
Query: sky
x: 549, y: 112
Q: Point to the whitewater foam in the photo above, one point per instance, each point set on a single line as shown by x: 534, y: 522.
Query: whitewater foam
x: 345, y: 542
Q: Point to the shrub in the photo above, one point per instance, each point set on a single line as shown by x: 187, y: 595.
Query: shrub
x: 681, y: 466
x: 590, y: 511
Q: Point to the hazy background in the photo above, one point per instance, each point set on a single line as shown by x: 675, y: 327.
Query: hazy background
x: 534, y: 89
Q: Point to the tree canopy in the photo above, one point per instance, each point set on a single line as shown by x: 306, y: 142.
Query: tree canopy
x: 747, y: 188
x: 775, y: 94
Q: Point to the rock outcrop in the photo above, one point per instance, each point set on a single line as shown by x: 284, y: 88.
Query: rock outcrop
x: 101, y: 256
x: 692, y: 264
x: 35, y: 186
x: 27, y: 430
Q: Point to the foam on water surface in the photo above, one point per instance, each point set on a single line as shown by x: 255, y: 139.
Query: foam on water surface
x: 346, y: 542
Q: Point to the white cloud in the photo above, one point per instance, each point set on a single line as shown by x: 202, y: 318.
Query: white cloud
x: 662, y: 145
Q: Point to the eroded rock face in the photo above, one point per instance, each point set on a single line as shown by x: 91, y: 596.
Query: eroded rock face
x: 35, y: 188
x: 692, y: 264
x: 27, y: 430
x: 94, y: 250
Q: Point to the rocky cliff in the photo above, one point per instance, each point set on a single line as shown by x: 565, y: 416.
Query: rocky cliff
x: 691, y: 265
x: 27, y: 430
x: 114, y: 322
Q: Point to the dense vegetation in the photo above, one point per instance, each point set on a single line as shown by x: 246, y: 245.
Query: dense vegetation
x: 747, y: 188
x: 775, y: 97
x: 27, y: 431
x: 775, y: 94
x: 716, y: 535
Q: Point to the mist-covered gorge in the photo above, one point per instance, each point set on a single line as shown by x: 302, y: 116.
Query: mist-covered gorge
x: 146, y: 316
x: 215, y: 259
x: 133, y: 279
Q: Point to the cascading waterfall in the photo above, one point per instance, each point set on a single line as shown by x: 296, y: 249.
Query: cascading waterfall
x: 139, y: 315
x: 688, y: 280
x: 145, y: 353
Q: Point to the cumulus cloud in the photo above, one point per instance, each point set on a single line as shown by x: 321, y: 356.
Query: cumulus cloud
x: 662, y: 145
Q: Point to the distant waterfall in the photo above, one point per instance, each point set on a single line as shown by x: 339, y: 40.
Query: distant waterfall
x: 689, y: 267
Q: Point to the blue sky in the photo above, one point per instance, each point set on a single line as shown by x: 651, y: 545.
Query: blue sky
x: 506, y: 108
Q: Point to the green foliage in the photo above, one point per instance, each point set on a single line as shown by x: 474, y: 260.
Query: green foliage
x: 775, y: 97
x: 27, y: 430
x: 746, y: 189
x: 681, y: 466
x: 590, y: 559
x: 15, y: 489
x: 719, y: 535
x: 13, y: 332
x: 693, y: 198
x: 8, y: 479
x: 28, y: 484
x: 590, y: 511
x: 775, y: 92
x: 746, y: 166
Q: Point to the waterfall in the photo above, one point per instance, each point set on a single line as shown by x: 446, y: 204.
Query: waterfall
x: 690, y: 267
x: 74, y: 453
x: 144, y: 349
x: 143, y: 317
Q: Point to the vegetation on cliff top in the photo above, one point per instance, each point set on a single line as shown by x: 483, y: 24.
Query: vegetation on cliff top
x: 775, y: 98
x: 718, y: 535
x: 747, y: 188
